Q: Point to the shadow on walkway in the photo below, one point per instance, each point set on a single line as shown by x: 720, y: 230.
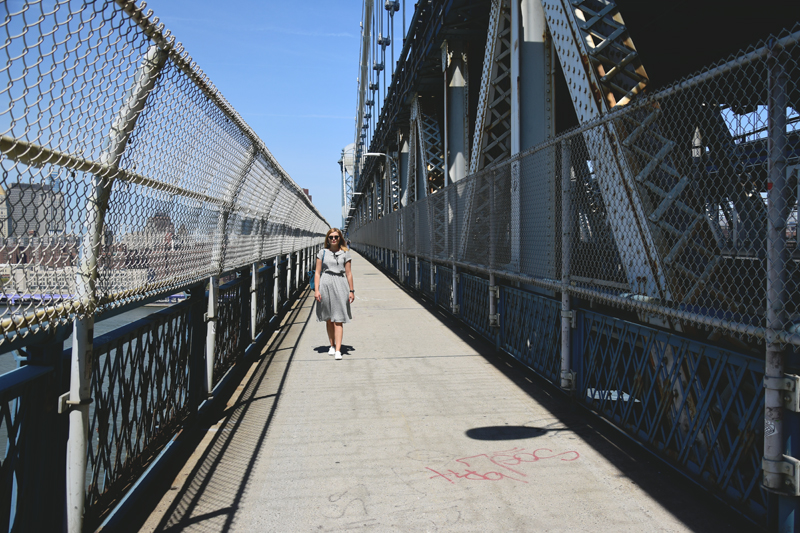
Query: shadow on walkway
x: 212, y: 493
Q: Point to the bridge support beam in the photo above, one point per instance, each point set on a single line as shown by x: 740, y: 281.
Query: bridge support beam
x: 531, y: 124
x: 456, y: 121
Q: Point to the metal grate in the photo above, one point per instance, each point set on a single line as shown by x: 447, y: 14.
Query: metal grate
x: 699, y: 405
x: 22, y: 396
x: 266, y: 287
x: 444, y: 287
x: 140, y: 387
x: 228, y: 345
x: 474, y: 293
x: 530, y: 330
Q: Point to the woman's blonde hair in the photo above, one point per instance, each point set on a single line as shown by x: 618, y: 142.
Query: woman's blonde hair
x: 342, y: 244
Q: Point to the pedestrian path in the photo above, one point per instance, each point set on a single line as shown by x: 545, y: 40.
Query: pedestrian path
x: 420, y: 427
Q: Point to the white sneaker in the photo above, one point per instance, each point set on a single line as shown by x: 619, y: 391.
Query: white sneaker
x: 331, y: 350
x: 337, y: 355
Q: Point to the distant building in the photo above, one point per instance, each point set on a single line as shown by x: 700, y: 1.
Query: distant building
x: 309, y: 196
x: 33, y: 210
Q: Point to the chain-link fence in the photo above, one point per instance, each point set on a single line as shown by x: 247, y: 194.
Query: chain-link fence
x: 681, y: 205
x: 124, y: 172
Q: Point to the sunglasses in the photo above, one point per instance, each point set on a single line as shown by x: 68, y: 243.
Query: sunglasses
x: 334, y: 237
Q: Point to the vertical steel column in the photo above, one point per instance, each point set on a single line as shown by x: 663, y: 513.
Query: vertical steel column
x: 211, y: 331
x: 83, y: 330
x: 245, y: 336
x: 456, y: 121
x: 567, y: 376
x: 42, y: 439
x: 494, y: 319
x: 254, y: 303
x: 455, y: 308
x: 297, y: 270
x: 276, y: 286
x: 288, y: 275
x: 778, y: 420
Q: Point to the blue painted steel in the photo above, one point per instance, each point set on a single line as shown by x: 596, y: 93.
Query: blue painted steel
x: 697, y: 405
x: 474, y: 303
x: 265, y: 289
x: 228, y: 345
x: 412, y: 273
x: 444, y: 287
x: 283, y: 288
x: 20, y: 403
x: 425, y: 278
x: 140, y: 386
x: 531, y: 330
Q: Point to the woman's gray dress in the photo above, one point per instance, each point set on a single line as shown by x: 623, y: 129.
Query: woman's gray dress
x: 333, y: 287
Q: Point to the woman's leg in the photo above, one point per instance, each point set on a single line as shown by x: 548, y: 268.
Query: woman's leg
x: 331, y: 333
x: 339, y: 329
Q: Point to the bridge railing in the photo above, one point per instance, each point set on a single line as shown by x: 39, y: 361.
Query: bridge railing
x: 125, y: 178
x: 690, y: 246
x: 674, y: 262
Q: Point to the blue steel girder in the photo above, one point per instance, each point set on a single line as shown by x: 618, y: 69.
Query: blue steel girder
x: 587, y: 34
x: 699, y: 405
x: 531, y: 330
x: 473, y: 302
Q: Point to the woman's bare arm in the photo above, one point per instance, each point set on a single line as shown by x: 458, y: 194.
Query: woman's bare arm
x: 317, y: 272
x: 349, y: 274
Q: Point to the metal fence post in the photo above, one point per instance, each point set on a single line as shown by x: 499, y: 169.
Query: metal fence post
x: 245, y: 335
x: 297, y: 269
x: 288, y: 274
x: 211, y: 331
x: 778, y: 458
x: 43, y: 440
x: 494, y: 321
x: 455, y: 307
x: 567, y: 375
x: 197, y: 361
x: 83, y: 330
x: 254, y: 303
x: 433, y: 280
x: 276, y: 288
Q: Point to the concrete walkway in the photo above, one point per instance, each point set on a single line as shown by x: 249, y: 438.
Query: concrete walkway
x: 419, y: 428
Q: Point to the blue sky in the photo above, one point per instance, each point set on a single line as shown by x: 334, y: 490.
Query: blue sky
x: 290, y: 70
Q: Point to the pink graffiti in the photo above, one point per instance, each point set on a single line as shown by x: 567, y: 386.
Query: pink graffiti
x: 495, y: 466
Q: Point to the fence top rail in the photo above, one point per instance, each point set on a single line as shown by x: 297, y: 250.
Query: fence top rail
x: 13, y: 383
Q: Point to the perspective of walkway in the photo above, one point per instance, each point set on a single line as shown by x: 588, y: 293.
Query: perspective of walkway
x: 421, y: 427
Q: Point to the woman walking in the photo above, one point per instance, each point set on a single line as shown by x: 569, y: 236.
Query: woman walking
x: 333, y: 288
